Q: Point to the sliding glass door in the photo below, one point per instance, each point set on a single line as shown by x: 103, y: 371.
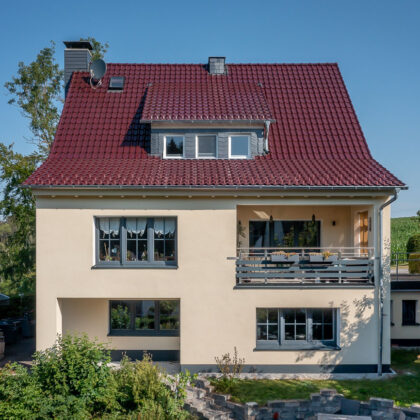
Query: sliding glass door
x: 282, y: 233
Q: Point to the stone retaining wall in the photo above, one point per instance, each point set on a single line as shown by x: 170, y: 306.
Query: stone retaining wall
x: 328, y: 401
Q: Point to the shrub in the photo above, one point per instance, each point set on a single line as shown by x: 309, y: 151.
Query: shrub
x: 413, y: 244
x: 414, y: 266
x: 146, y: 389
x: 77, y: 369
x: 230, y: 368
x: 72, y: 380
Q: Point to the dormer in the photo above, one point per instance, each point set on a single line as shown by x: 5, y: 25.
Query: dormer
x: 213, y: 118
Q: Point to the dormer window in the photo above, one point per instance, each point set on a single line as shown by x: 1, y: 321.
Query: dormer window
x: 239, y: 147
x: 173, y: 147
x: 206, y: 146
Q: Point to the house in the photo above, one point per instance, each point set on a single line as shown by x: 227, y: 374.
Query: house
x: 187, y: 209
x: 405, y: 308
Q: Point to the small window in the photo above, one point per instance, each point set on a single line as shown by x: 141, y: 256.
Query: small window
x: 116, y: 83
x: 206, y: 146
x: 174, y: 147
x: 288, y: 328
x: 409, y: 312
x: 144, y: 317
x: 239, y: 147
x: 392, y: 313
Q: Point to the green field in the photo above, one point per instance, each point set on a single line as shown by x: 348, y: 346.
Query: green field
x: 401, y: 229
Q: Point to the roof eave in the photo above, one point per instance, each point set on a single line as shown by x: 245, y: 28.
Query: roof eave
x: 319, y: 188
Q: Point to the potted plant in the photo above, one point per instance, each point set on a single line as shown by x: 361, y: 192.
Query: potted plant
x: 315, y: 257
x: 329, y: 256
x: 293, y: 256
x: 278, y: 256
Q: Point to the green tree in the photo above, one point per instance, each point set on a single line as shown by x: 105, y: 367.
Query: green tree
x: 17, y: 255
x: 98, y: 49
x: 37, y: 90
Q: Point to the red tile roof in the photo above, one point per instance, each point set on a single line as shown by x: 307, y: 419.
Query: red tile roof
x: 315, y: 141
x: 216, y: 98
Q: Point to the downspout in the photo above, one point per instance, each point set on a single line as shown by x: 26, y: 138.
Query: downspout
x: 381, y: 281
x: 266, y: 132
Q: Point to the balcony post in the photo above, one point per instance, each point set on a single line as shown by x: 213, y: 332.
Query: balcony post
x: 265, y: 263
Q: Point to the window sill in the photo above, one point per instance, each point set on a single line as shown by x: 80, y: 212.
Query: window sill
x: 416, y: 324
x: 143, y: 334
x: 297, y: 347
x: 134, y: 266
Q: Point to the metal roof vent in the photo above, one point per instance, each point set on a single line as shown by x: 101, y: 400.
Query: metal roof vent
x: 217, y: 65
x: 116, y: 83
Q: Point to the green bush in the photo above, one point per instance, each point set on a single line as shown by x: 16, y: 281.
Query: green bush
x: 147, y: 390
x: 73, y: 380
x: 77, y: 367
x: 413, y: 244
x: 414, y: 266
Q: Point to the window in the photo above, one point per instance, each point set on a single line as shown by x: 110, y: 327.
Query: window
x: 136, y: 241
x: 174, y: 147
x: 392, y: 313
x: 116, y: 83
x: 109, y: 239
x: 144, y: 317
x: 206, y: 146
x: 292, y: 327
x: 409, y: 312
x: 239, y: 147
x: 284, y: 233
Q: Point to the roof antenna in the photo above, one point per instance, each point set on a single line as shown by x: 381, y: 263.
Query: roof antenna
x: 97, y: 72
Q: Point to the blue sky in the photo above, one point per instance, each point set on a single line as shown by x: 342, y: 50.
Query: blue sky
x: 375, y: 42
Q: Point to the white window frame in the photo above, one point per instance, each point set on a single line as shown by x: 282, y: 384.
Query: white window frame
x: 230, y: 146
x: 165, y: 156
x: 197, y: 156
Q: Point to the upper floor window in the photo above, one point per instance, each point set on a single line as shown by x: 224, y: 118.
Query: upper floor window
x: 206, y: 146
x: 239, y: 147
x: 277, y: 233
x: 138, y: 241
x: 173, y: 147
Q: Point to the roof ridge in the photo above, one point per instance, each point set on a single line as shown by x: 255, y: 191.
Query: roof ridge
x: 228, y: 64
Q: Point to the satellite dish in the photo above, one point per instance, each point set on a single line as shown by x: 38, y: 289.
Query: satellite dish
x: 97, y: 69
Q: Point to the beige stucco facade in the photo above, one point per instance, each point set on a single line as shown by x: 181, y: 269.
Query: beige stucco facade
x: 401, y: 334
x: 74, y: 296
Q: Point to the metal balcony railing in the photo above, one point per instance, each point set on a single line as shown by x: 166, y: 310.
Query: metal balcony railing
x: 269, y: 266
x: 405, y: 266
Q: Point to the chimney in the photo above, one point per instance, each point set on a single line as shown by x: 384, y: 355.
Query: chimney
x: 77, y: 57
x: 217, y: 65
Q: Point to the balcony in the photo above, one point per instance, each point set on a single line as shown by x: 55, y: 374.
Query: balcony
x: 297, y: 266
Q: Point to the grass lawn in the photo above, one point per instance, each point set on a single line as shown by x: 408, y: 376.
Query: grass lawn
x: 403, y: 388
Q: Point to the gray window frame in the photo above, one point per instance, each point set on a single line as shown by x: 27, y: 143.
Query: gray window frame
x: 123, y: 263
x: 409, y: 324
x: 132, y: 332
x: 282, y: 343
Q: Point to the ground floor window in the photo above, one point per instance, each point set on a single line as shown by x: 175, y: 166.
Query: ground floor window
x: 291, y: 327
x: 144, y: 317
x: 409, y: 308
